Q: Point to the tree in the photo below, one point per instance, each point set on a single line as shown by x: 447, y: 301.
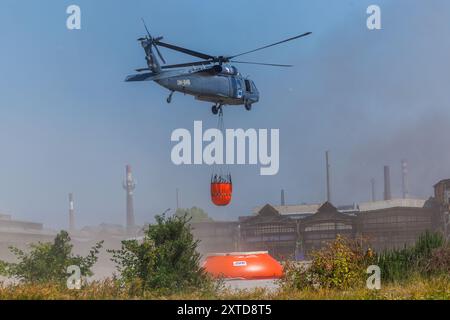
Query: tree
x: 165, y: 259
x: 194, y: 214
x: 48, y: 262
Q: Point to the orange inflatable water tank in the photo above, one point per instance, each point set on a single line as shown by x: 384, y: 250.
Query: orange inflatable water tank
x: 243, y: 265
x: 221, y: 193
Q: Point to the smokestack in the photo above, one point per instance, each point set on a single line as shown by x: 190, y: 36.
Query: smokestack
x: 283, y: 203
x: 372, y: 183
x: 71, y: 213
x: 327, y: 158
x: 129, y: 185
x: 387, y: 183
x: 178, y: 202
x: 405, y: 191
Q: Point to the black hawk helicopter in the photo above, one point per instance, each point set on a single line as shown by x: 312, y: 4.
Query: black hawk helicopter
x: 213, y: 79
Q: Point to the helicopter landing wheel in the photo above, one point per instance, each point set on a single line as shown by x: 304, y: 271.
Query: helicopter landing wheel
x: 248, y: 107
x: 217, y: 109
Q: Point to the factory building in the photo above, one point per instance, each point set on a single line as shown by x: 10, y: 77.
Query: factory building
x: 295, y: 231
x: 268, y: 231
x: 20, y: 233
x: 15, y: 231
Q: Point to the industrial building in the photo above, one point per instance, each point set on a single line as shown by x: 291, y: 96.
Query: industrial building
x: 295, y: 231
x: 14, y: 231
x: 20, y: 234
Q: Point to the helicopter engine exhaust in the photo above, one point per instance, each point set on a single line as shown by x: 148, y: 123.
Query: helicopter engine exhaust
x: 227, y: 70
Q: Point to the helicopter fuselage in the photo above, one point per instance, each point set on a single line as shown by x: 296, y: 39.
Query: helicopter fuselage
x: 221, y: 89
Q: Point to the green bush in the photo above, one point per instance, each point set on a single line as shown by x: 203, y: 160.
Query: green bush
x: 439, y: 261
x: 341, y: 264
x: 427, y: 242
x: 400, y: 265
x: 166, y: 259
x: 48, y: 262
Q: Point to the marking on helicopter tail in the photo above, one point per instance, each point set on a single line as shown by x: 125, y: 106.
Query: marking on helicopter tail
x: 184, y: 83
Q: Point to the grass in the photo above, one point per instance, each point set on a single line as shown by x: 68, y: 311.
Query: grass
x: 416, y: 288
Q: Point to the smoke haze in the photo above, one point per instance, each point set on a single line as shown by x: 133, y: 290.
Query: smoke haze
x: 68, y: 122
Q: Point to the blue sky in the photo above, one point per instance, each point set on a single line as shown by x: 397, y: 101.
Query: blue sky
x: 68, y: 122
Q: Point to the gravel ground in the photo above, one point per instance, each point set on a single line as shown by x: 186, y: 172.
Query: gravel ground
x: 251, y: 284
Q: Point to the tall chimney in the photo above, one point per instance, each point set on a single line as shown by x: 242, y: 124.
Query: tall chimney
x: 327, y: 158
x: 387, y: 183
x: 178, y: 201
x: 283, y: 203
x: 372, y: 184
x: 71, y: 213
x: 405, y: 191
x: 129, y: 185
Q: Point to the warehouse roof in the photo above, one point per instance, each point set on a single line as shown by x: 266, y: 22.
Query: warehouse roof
x: 294, y: 209
x: 394, y: 203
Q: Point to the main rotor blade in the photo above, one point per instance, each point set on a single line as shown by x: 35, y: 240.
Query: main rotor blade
x: 263, y: 64
x: 189, y: 64
x: 142, y: 69
x: 180, y: 65
x: 146, y: 29
x: 184, y: 50
x: 159, y: 54
x: 271, y: 45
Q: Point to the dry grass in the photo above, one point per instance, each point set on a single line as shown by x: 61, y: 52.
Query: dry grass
x: 437, y: 288
x: 416, y: 289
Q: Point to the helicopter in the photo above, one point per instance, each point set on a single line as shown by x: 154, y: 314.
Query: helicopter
x: 213, y: 79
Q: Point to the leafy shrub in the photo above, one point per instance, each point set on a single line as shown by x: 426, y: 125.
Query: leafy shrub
x: 48, y: 262
x: 396, y: 265
x: 340, y: 264
x: 166, y: 259
x: 439, y: 261
x: 399, y: 265
x: 295, y: 276
x: 427, y: 242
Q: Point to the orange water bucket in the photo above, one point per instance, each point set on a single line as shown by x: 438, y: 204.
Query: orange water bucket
x: 221, y: 193
x: 243, y: 265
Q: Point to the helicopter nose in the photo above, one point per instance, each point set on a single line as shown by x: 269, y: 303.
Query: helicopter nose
x: 256, y: 96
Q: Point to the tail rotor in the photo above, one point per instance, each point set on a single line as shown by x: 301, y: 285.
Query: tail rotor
x: 150, y: 41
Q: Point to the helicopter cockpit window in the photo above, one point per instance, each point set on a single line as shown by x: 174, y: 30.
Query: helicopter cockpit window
x: 248, y: 86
